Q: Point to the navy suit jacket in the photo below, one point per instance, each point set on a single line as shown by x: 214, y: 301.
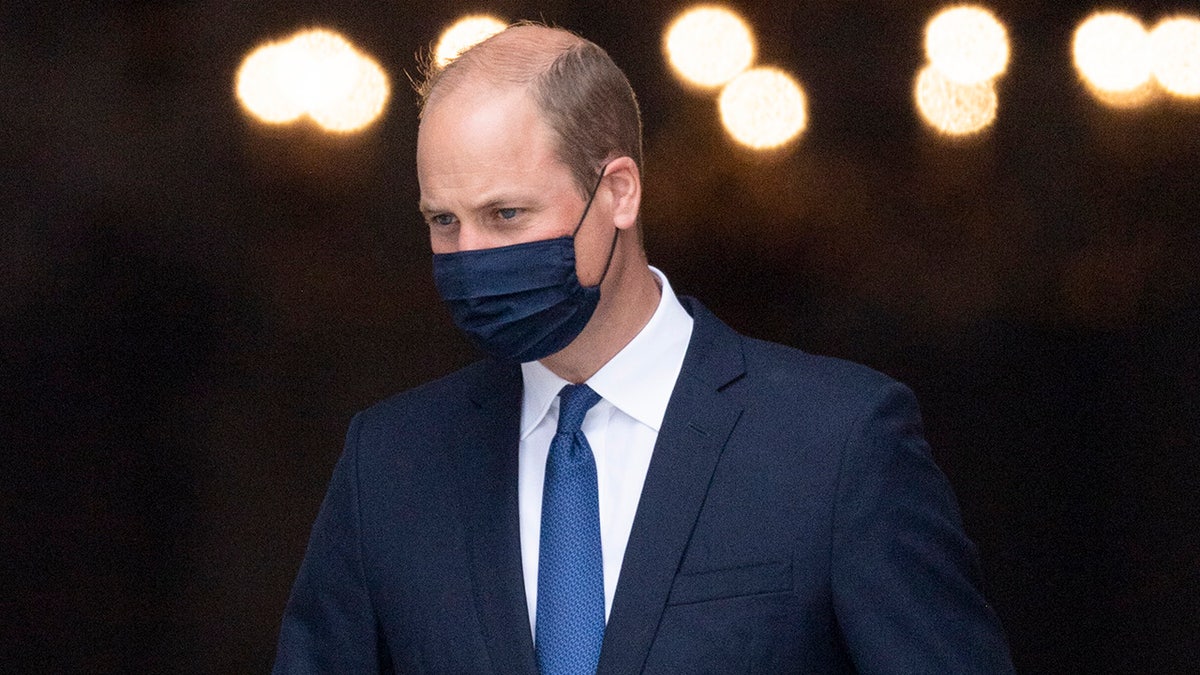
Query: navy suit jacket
x: 792, y: 520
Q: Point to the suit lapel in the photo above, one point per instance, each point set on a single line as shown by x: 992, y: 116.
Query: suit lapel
x: 490, y: 451
x: 698, y: 422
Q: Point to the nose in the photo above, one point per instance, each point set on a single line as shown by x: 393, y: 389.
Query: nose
x: 471, y: 237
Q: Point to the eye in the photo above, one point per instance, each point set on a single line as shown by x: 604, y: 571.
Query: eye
x: 441, y: 219
x: 508, y: 213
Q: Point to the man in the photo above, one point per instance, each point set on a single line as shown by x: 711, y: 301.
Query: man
x: 647, y: 490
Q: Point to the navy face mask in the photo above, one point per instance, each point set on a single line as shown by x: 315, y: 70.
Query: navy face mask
x: 521, y: 302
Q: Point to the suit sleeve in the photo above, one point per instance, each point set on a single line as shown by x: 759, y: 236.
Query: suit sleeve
x: 329, y: 625
x: 906, y: 586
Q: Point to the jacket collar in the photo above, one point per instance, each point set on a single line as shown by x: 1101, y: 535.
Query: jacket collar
x: 698, y: 421
x: 697, y: 425
x: 490, y: 507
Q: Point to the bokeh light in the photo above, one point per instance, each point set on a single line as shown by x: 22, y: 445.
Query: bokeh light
x: 264, y: 84
x: 343, y: 90
x: 1175, y: 50
x: 709, y: 45
x: 1112, y: 54
x: 763, y: 108
x: 953, y: 108
x: 967, y: 44
x: 316, y: 73
x: 464, y: 34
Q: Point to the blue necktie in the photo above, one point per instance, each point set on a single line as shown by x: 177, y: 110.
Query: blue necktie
x: 570, y: 596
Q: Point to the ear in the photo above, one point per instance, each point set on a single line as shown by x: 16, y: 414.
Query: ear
x: 624, y: 184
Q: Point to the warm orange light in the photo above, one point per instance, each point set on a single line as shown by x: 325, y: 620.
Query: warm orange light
x: 709, y: 45
x: 1175, y: 50
x: 317, y: 73
x: 952, y: 108
x: 264, y: 85
x: 1112, y: 54
x: 464, y: 34
x: 763, y: 108
x: 967, y: 44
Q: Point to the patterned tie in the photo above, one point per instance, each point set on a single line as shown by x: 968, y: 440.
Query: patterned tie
x: 570, y: 595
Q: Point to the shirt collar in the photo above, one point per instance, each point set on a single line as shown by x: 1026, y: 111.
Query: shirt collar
x: 638, y: 381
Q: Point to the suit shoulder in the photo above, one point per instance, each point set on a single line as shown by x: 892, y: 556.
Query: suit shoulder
x: 776, y: 363
x: 817, y: 401
x: 409, y: 433
x: 427, y: 401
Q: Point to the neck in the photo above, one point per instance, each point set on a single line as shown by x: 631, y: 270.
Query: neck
x: 628, y: 298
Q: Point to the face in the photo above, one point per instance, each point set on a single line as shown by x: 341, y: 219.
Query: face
x: 489, y: 177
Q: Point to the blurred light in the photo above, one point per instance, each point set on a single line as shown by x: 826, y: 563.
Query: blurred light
x: 263, y: 85
x: 316, y: 73
x: 1134, y: 98
x: 968, y: 44
x: 464, y: 34
x: 1112, y: 55
x: 763, y: 108
x: 364, y: 92
x: 953, y: 108
x: 1175, y: 49
x: 342, y: 89
x: 709, y: 45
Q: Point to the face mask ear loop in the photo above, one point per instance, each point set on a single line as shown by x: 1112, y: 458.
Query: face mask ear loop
x: 591, y: 198
x: 611, y: 249
x: 616, y: 231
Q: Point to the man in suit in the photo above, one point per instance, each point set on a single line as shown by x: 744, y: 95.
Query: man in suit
x: 626, y: 484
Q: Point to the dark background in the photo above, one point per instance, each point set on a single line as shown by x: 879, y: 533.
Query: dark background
x: 193, y: 305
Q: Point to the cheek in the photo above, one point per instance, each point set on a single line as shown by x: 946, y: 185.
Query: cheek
x: 592, y: 246
x: 442, y: 241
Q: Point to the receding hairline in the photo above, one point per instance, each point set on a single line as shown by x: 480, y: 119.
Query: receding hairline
x: 516, y: 56
x: 581, y: 95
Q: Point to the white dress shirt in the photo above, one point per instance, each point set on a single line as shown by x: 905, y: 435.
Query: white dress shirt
x: 634, y: 386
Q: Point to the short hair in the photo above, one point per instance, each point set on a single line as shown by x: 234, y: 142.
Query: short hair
x: 583, y: 96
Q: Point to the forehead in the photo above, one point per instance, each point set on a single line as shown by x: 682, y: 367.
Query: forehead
x: 481, y: 124
x: 475, y: 142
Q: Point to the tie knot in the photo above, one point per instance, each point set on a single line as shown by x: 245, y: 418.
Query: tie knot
x: 574, y: 402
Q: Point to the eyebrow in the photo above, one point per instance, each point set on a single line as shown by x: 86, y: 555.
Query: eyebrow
x: 493, y: 201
